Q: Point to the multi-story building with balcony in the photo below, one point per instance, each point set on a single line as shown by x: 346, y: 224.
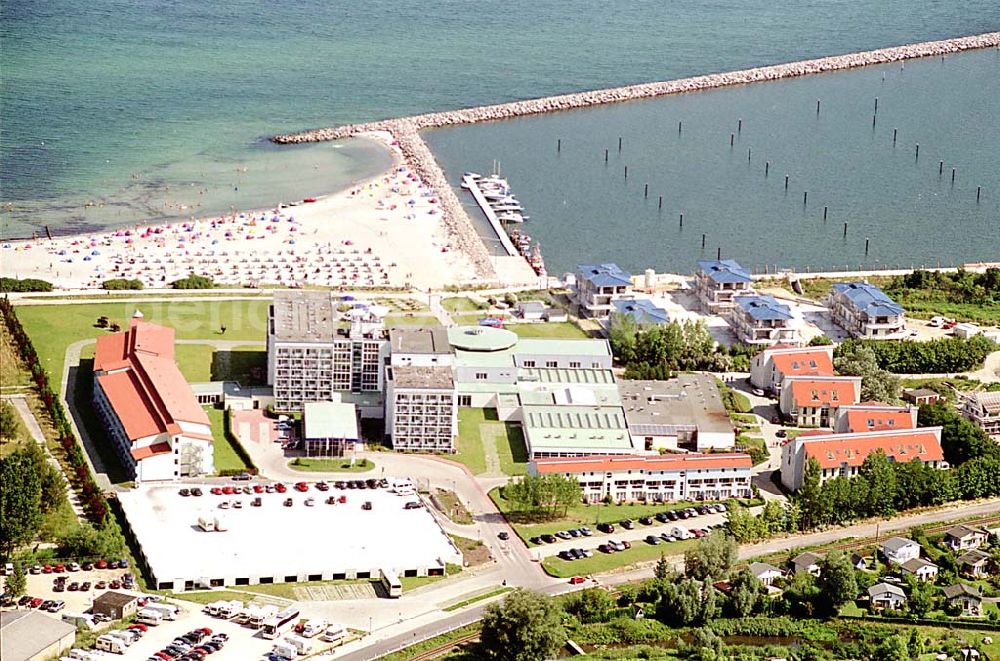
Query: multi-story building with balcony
x: 421, y: 401
x: 717, y: 283
x: 770, y: 367
x: 150, y: 414
x: 813, y: 401
x: 864, y: 311
x: 983, y: 408
x: 318, y: 353
x: 655, y: 478
x: 762, y: 321
x: 598, y: 286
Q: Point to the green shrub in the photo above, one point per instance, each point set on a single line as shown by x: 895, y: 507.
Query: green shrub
x: 193, y: 282
x: 122, y: 283
x: 24, y: 285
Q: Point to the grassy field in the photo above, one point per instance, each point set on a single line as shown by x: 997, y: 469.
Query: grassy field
x: 562, y: 329
x: 476, y: 428
x: 54, y: 327
x: 12, y: 374
x: 453, y: 507
x: 195, y: 361
x: 334, y: 465
x: 470, y: 445
x: 224, y: 454
x: 431, y: 643
x: 600, y: 563
x: 410, y: 319
x: 460, y: 304
x: 583, y: 514
x: 481, y: 597
x: 512, y: 450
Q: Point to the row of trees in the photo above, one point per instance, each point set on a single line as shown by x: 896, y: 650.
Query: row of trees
x: 655, y: 351
x: 542, y: 495
x: 949, y: 354
x: 960, y: 287
x: 877, y: 384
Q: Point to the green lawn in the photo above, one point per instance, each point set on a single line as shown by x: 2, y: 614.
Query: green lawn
x: 562, y: 329
x: 583, y: 514
x: 512, y: 450
x: 410, y: 319
x: 470, y: 445
x: 194, y: 361
x: 460, y: 304
x: 54, y: 327
x: 476, y: 428
x: 224, y: 454
x: 486, y: 595
x: 209, y: 596
x: 600, y: 563
x: 336, y: 465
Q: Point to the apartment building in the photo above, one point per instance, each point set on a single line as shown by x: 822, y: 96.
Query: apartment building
x: 598, y: 286
x: 421, y: 401
x: 642, y: 311
x: 983, y: 408
x: 762, y: 321
x: 655, y: 478
x: 813, y: 401
x: 321, y: 349
x: 864, y: 311
x: 770, y: 367
x: 150, y: 414
x: 842, y: 455
x: 874, y: 416
x: 717, y: 283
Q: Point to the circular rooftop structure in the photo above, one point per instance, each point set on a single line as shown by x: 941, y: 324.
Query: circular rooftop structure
x: 481, y: 338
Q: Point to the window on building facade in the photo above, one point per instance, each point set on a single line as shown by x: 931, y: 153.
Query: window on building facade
x: 481, y: 376
x: 574, y: 364
x: 465, y: 400
x: 551, y: 363
x: 529, y: 363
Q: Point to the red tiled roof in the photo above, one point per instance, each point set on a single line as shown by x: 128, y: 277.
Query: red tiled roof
x: 150, y: 451
x: 851, y: 449
x: 136, y: 411
x: 667, y: 462
x: 872, y: 419
x: 816, y: 392
x: 803, y: 363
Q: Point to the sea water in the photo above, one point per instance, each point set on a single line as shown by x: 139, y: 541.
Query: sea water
x: 899, y: 210
x: 161, y: 108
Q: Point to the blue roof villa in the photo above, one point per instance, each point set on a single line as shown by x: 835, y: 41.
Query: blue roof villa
x: 642, y: 311
x: 864, y: 311
x: 762, y: 321
x: 718, y: 282
x: 597, y: 285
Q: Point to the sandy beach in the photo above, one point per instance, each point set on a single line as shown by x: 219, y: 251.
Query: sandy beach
x: 385, y: 232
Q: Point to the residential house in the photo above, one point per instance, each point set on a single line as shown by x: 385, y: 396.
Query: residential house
x: 765, y: 573
x: 920, y: 396
x: 983, y: 408
x: 974, y: 563
x: 717, y: 283
x: 874, y: 416
x: 924, y: 571
x: 965, y: 597
x: 898, y: 550
x: 864, y: 311
x: 842, y: 455
x: 813, y: 401
x: 598, y: 286
x: 762, y: 321
x: 859, y: 561
x: 886, y: 596
x: 654, y: 478
x: 531, y: 310
x: 642, y: 311
x: 151, y: 416
x: 806, y: 562
x: 770, y: 367
x: 963, y: 538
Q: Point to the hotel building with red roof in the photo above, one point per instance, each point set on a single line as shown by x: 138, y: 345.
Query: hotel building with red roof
x: 841, y: 455
x: 769, y: 368
x: 813, y: 401
x: 654, y: 477
x: 874, y: 416
x: 158, y: 429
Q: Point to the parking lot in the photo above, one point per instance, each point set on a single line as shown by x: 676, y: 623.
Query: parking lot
x: 76, y: 601
x: 295, y: 535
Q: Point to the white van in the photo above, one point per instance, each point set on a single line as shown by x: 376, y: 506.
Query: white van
x: 83, y: 655
x: 168, y: 611
x: 147, y: 616
x: 335, y: 633
x: 127, y: 637
x: 230, y: 608
x: 313, y: 628
x: 285, y: 649
x: 213, y: 608
x: 302, y: 645
x: 109, y: 643
x: 680, y: 533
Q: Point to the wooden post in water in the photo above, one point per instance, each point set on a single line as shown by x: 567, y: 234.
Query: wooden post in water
x: 866, y: 245
x: 876, y: 105
x: 786, y: 182
x: 680, y: 126
x: 917, y: 154
x: 605, y: 155
x: 805, y: 197
x: 953, y: 175
x: 739, y: 125
x: 979, y: 190
x: 894, y: 137
x: 645, y: 192
x: 619, y: 144
x: 703, y: 241
x: 824, y: 214
x: 660, y: 205
x: 873, y: 121
x: 767, y: 167
x: 940, y: 168
x: 817, y: 107
x: 732, y: 137
x: 626, y: 172
x: 718, y: 253
x: 559, y: 145
x: 682, y: 220
x: 845, y: 229
x: 749, y: 151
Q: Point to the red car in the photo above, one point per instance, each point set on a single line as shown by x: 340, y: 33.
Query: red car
x: 47, y: 569
x: 280, y: 488
x: 60, y: 569
x: 577, y: 580
x: 102, y: 564
x: 258, y: 488
x: 228, y: 491
x: 342, y: 500
x: 205, y: 630
x: 36, y: 602
x: 301, y: 486
x: 215, y: 491
x: 140, y: 626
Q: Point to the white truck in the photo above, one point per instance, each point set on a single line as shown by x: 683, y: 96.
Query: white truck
x: 313, y: 628
x: 335, y: 633
x: 109, y: 643
x: 149, y: 616
x: 169, y: 611
x: 230, y: 608
x: 302, y: 645
x: 285, y: 649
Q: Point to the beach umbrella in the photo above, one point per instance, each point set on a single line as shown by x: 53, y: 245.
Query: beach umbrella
x: 95, y: 252
x: 87, y: 258
x: 6, y: 245
x: 61, y: 252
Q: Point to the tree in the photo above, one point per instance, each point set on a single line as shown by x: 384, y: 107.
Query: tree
x: 593, y: 605
x: 801, y: 594
x: 836, y: 582
x: 961, y: 439
x: 662, y: 569
x: 881, y: 478
x: 10, y: 426
x: 17, y: 583
x: 20, y: 501
x: 820, y: 341
x: 88, y: 541
x: 893, y: 648
x: 745, y: 594
x: 808, y: 497
x: 686, y: 603
x: 922, y: 597
x: 711, y: 557
x: 877, y: 384
x: 550, y: 494
x: 525, y: 626
x: 50, y: 479
x: 193, y: 281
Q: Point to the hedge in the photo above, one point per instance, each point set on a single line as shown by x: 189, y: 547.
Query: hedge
x: 238, y: 448
x: 25, y: 285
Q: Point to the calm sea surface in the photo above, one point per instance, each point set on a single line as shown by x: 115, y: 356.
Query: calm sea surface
x: 158, y: 108
x: 583, y: 209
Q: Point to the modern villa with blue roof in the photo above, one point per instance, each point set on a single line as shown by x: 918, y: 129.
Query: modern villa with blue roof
x: 718, y: 282
x: 762, y: 321
x: 864, y: 311
x: 597, y: 286
x: 642, y: 311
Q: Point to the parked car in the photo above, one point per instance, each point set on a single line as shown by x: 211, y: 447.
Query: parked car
x: 196, y: 491
x: 646, y: 521
x: 549, y: 539
x: 757, y: 391
x: 310, y: 502
x: 185, y: 492
x: 537, y: 541
x: 280, y: 488
x: 577, y: 580
x: 627, y: 524
x: 563, y: 534
x: 288, y: 502
x: 586, y: 532
x: 100, y: 585
x: 85, y: 586
x: 503, y: 535
x: 215, y: 491
x: 606, y: 527
x: 242, y: 477
x: 652, y: 539
x: 87, y: 566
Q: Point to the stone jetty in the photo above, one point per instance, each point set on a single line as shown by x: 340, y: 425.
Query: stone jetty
x: 419, y: 157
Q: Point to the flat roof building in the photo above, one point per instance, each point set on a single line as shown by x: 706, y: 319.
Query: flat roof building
x: 30, y: 636
x: 116, y: 605
x: 573, y: 430
x: 157, y: 428
x: 330, y: 430
x: 685, y: 412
